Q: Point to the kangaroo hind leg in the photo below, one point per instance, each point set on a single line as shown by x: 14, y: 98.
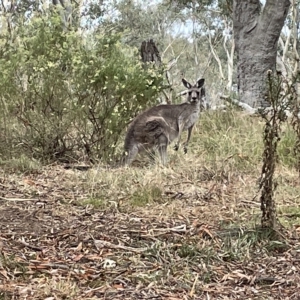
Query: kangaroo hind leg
x: 163, y: 142
x: 131, y: 154
x: 185, y: 146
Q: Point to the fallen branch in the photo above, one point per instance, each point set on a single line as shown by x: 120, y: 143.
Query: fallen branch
x: 250, y: 110
x: 30, y: 246
x: 41, y: 266
x: 18, y: 199
x: 268, y: 280
x: 242, y: 105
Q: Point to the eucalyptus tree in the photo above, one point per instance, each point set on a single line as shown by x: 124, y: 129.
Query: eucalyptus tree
x: 257, y: 29
x: 289, y: 46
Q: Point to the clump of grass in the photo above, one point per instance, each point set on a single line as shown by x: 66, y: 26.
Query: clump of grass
x: 95, y: 202
x: 240, y: 245
x: 230, y: 136
x: 22, y: 164
x: 11, y: 263
x: 146, y: 195
x: 62, y: 288
x: 289, y: 216
x: 286, y: 147
x: 187, y: 251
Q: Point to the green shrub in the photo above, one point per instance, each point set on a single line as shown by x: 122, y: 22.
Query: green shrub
x: 65, y: 96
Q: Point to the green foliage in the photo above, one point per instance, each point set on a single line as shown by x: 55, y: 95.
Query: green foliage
x: 22, y: 164
x: 66, y: 96
x: 227, y: 137
x: 188, y: 4
x: 96, y: 203
x: 286, y: 147
x: 146, y: 195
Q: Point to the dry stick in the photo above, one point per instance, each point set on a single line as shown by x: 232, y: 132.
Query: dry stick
x: 93, y: 290
x: 101, y: 244
x: 30, y: 246
x: 18, y: 199
x: 250, y: 202
x: 268, y: 280
x: 51, y: 265
x: 178, y: 183
x: 192, y: 292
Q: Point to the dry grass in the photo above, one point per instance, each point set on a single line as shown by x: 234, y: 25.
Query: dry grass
x: 185, y: 231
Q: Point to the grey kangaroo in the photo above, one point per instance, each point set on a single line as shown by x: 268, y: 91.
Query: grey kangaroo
x: 158, y: 126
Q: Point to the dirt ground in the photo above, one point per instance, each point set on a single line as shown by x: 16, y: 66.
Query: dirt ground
x: 185, y: 245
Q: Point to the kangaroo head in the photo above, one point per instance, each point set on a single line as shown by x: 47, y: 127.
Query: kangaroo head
x: 195, y: 93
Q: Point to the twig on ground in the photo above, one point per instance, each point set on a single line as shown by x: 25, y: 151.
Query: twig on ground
x: 30, y: 246
x: 18, y: 199
x: 102, y: 244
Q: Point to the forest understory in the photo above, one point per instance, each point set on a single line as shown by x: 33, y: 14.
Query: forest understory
x: 189, y: 230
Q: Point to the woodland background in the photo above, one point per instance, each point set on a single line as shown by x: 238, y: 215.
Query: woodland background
x: 71, y: 80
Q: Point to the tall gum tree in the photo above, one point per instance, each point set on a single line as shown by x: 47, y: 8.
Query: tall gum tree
x: 256, y: 32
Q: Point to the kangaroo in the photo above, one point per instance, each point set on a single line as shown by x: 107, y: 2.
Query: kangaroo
x: 158, y: 126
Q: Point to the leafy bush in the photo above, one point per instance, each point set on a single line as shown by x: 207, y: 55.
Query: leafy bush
x: 65, y: 96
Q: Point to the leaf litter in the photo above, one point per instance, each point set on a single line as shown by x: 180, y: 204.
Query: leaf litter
x: 53, y: 247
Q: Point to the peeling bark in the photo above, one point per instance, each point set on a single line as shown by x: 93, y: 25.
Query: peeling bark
x: 256, y: 34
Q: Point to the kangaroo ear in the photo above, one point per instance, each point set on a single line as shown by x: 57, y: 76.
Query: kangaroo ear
x: 203, y: 92
x: 186, y: 84
x: 200, y: 83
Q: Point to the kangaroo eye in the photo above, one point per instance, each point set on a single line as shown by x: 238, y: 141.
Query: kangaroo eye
x: 190, y: 93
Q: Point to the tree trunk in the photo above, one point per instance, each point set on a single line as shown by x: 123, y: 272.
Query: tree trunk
x: 256, y: 33
x: 150, y: 53
x: 66, y: 12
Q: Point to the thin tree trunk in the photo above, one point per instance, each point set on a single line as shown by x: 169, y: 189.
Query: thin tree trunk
x: 230, y: 56
x: 66, y: 11
x: 256, y: 33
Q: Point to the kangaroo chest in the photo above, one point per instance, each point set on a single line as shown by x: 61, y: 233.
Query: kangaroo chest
x: 191, y: 120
